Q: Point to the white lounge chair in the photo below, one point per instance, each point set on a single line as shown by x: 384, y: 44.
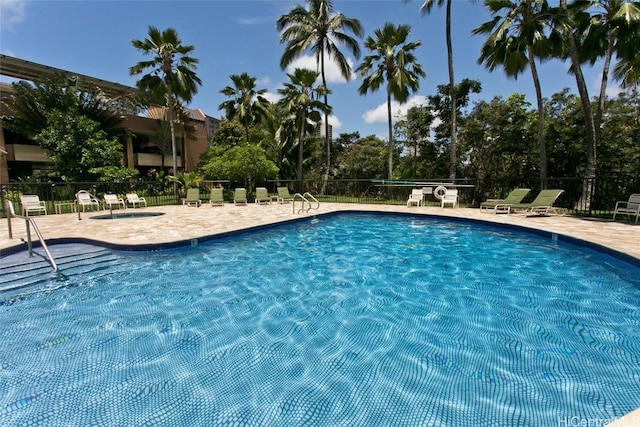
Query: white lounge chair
x: 111, y: 199
x: 450, y: 197
x: 32, y: 203
x: 415, y: 198
x: 631, y: 207
x: 85, y: 199
x: 133, y: 199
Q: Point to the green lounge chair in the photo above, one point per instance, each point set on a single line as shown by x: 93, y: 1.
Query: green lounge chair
x: 240, y: 196
x: 193, y: 198
x: 216, y: 198
x: 502, y: 205
x: 283, y: 195
x: 541, y: 205
x: 262, y: 196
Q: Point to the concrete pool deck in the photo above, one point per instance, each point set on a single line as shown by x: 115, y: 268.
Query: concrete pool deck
x: 185, y: 223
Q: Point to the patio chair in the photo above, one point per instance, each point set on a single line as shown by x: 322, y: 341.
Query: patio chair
x: 283, y: 195
x: 216, y: 198
x: 134, y: 200
x: 111, y: 199
x: 503, y: 205
x: 450, y: 197
x: 541, y: 205
x: 85, y: 199
x: 415, y: 198
x: 630, y: 207
x: 32, y: 203
x: 193, y: 198
x: 240, y: 196
x: 262, y: 196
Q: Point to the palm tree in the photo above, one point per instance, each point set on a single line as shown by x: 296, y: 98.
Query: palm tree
x: 392, y: 61
x: 514, y: 41
x: 300, y: 99
x: 321, y: 30
x: 425, y: 9
x: 171, y: 74
x: 246, y: 104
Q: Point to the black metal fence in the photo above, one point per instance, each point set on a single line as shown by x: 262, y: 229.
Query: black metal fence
x: 602, y: 197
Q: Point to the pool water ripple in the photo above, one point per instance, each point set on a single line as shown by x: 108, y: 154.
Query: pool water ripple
x: 353, y: 320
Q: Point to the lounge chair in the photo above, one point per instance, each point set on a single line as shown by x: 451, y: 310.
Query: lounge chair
x: 262, y: 196
x: 32, y: 203
x: 216, y: 198
x: 503, y: 205
x: 283, y: 195
x: 111, y: 199
x: 85, y: 199
x: 630, y: 207
x: 541, y: 205
x: 134, y: 200
x: 450, y: 197
x: 415, y: 198
x: 240, y: 196
x: 193, y: 198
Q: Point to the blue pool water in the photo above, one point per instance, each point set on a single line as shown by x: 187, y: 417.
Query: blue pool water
x: 351, y: 320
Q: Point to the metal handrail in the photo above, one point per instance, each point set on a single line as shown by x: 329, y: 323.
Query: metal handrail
x: 305, y: 200
x: 30, y: 223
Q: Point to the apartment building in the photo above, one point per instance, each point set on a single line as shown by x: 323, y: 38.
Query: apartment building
x: 145, y: 144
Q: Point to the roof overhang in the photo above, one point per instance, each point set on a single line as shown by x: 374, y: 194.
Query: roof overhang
x: 31, y: 71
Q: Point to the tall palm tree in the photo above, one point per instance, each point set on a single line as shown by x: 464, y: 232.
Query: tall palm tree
x: 320, y: 29
x: 425, y: 9
x: 300, y: 98
x: 246, y: 104
x: 171, y: 74
x: 514, y: 41
x: 392, y: 61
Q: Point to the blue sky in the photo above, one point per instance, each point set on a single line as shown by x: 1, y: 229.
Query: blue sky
x: 232, y: 37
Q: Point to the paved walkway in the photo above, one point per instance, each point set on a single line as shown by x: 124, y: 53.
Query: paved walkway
x: 185, y: 223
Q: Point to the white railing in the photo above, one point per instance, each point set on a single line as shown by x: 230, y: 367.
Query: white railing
x: 30, y: 224
x: 304, y: 199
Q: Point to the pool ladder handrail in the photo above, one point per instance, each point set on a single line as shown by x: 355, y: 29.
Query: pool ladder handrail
x: 305, y: 199
x: 30, y: 223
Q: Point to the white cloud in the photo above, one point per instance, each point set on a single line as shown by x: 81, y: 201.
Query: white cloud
x: 331, y: 69
x: 12, y: 12
x: 379, y: 114
x: 272, y: 97
x: 334, y: 122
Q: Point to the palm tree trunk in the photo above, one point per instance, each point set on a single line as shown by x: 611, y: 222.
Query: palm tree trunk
x: 542, y: 144
x: 452, y: 95
x: 390, y: 131
x: 301, y: 151
x: 588, y: 184
x: 174, y: 158
x: 603, y: 86
x: 326, y: 124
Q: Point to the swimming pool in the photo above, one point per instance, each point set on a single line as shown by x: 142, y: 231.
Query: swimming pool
x: 358, y: 320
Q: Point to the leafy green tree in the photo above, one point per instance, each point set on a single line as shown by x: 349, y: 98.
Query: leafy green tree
x: 516, y: 36
x: 394, y: 62
x: 300, y: 99
x: 499, y: 144
x: 320, y: 29
x: 620, y: 140
x: 26, y: 110
x: 247, y: 104
x: 416, y: 127
x: 171, y: 73
x: 440, y: 104
x: 240, y: 163
x: 77, y: 146
x: 365, y: 158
